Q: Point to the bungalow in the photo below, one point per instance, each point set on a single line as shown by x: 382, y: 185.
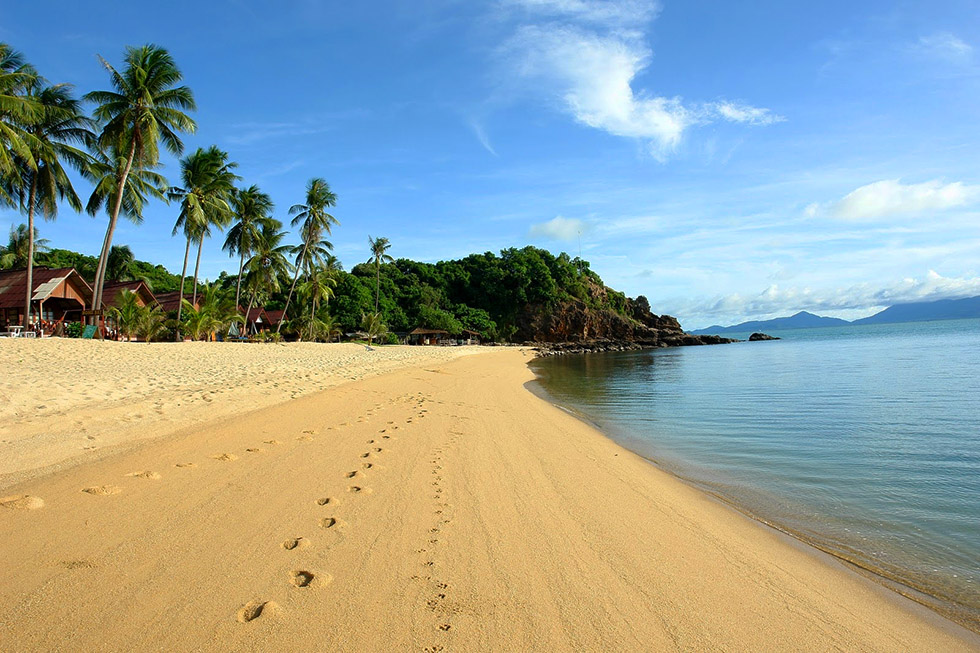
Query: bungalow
x: 57, y: 295
x: 169, y: 301
x: 256, y: 320
x: 422, y: 336
x: 468, y: 337
x: 113, y: 290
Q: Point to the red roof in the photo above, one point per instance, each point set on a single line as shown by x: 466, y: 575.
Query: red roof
x: 275, y: 316
x: 257, y: 312
x: 113, y: 289
x: 169, y: 301
x: 13, y: 285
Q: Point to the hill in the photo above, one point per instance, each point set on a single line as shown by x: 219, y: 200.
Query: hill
x: 942, y: 309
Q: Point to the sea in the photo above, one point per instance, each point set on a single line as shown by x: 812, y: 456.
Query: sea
x: 862, y: 441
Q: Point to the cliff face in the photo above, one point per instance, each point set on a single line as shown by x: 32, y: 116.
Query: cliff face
x: 574, y: 326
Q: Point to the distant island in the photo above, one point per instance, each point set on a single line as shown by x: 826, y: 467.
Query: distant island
x: 942, y: 309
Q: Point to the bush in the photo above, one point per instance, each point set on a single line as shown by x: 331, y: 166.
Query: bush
x: 390, y: 339
x: 73, y: 329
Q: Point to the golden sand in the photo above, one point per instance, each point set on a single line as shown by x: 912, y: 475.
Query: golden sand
x: 437, y: 507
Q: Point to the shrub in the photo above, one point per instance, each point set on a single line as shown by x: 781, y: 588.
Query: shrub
x: 73, y: 329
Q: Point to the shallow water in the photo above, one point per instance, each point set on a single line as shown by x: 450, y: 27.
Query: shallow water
x: 864, y: 441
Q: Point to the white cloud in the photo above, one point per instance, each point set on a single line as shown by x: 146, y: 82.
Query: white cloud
x: 854, y: 301
x: 891, y: 197
x: 946, y: 46
x: 481, y: 135
x: 559, y: 228
x: 588, y: 54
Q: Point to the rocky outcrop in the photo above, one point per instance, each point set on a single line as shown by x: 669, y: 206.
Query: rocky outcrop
x: 574, y: 327
x: 761, y: 336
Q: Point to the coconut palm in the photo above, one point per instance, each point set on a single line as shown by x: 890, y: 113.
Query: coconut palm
x: 373, y: 326
x: 128, y: 313
x: 379, y: 247
x: 17, y: 109
x: 150, y: 323
x: 15, y: 253
x: 204, y: 202
x: 330, y: 327
x: 252, y: 208
x: 119, y: 267
x: 315, y: 222
x: 216, y: 314
x: 144, y: 108
x: 141, y: 184
x: 269, y: 263
x: 318, y: 287
x: 42, y: 181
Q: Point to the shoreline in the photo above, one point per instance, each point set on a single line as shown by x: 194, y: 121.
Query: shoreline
x: 495, y: 520
x: 946, y: 611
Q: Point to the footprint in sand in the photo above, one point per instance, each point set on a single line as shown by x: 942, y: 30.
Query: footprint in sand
x: 295, y: 543
x: 305, y: 438
x: 366, y: 455
x: 325, y: 501
x: 22, y: 502
x: 225, y: 456
x: 145, y: 474
x: 332, y: 522
x: 253, y: 450
x: 272, y: 441
x: 303, y: 578
x: 351, y: 474
x: 255, y: 609
x: 356, y: 489
x: 185, y: 465
x: 102, y: 490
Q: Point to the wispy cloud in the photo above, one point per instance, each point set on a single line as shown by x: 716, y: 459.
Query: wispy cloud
x: 254, y: 132
x: 559, y: 228
x: 587, y: 55
x: 481, y: 135
x: 890, y: 197
x: 945, y: 45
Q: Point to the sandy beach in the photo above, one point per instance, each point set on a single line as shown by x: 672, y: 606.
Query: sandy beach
x: 325, y: 498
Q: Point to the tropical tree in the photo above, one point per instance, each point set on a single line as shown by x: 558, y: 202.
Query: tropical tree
x: 17, y: 109
x: 373, y: 326
x: 269, y: 263
x: 144, y: 108
x: 204, y: 202
x: 315, y: 222
x: 318, y: 287
x: 330, y: 327
x: 119, y: 267
x: 17, y: 251
x: 41, y: 181
x: 151, y: 323
x: 128, y: 313
x: 217, y: 313
x: 253, y: 209
x: 379, y: 247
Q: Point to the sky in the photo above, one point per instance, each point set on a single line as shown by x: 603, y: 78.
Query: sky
x: 728, y: 160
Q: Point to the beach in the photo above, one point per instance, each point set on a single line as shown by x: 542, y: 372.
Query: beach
x: 324, y: 497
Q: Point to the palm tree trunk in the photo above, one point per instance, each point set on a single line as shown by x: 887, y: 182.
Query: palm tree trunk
x: 30, y: 251
x: 291, y: 288
x: 183, y: 275
x: 107, y: 244
x: 377, y: 291
x: 238, y: 286
x: 197, y: 266
x: 251, y: 302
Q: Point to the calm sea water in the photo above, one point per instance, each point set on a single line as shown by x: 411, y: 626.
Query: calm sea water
x: 864, y: 441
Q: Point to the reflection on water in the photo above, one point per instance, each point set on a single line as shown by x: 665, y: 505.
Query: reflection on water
x: 864, y: 441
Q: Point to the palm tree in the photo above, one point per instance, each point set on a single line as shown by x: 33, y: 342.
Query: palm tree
x: 379, y: 247
x: 315, y: 221
x: 268, y: 264
x: 128, y: 313
x: 42, y: 180
x: 15, y: 253
x: 217, y: 313
x: 373, y: 326
x: 104, y: 171
x: 17, y: 109
x: 253, y: 208
x: 208, y: 184
x: 318, y: 287
x: 150, y: 323
x: 145, y: 108
x: 330, y: 327
x: 119, y: 267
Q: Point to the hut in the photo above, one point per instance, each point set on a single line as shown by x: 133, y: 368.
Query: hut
x: 57, y: 295
x: 257, y: 320
x: 468, y: 337
x: 421, y: 336
x: 275, y: 317
x: 170, y: 301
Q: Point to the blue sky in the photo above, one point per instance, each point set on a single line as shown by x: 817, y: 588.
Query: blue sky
x: 727, y: 160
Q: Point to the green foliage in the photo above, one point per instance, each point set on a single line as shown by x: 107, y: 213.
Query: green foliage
x: 216, y: 315
x: 73, y: 329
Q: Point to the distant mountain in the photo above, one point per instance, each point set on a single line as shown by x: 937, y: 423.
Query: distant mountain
x: 801, y: 320
x: 943, y: 309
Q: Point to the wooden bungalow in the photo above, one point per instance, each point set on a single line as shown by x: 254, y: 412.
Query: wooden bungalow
x: 275, y: 317
x: 169, y: 301
x: 58, y: 295
x: 113, y: 290
x: 468, y: 337
x: 421, y: 336
x: 257, y: 320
